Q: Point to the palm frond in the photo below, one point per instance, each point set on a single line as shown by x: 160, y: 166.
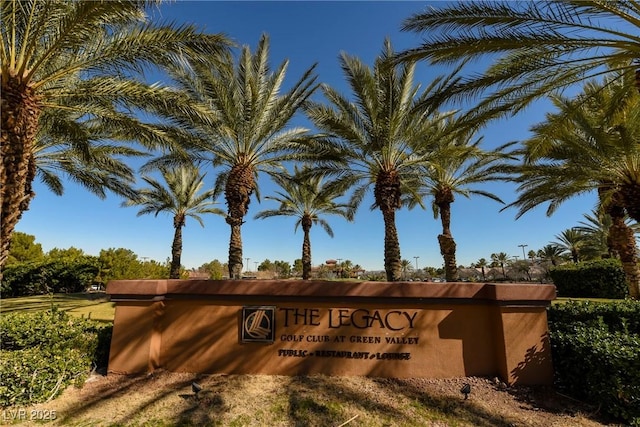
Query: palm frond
x: 535, y: 48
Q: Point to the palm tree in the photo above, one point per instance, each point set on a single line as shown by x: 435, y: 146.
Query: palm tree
x: 69, y: 82
x: 570, y: 241
x: 481, y: 264
x: 307, y: 201
x: 454, y: 166
x: 406, y: 265
x: 346, y: 267
x: 551, y: 253
x: 590, y: 144
x: 97, y: 167
x: 500, y: 258
x: 596, y: 230
x: 371, y: 140
x: 244, y: 127
x: 182, y: 197
x: 542, y: 46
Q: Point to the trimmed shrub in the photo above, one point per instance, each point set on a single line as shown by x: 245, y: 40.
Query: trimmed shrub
x: 618, y: 316
x: 593, y: 279
x: 600, y: 367
x: 65, y: 275
x: 44, y: 352
x: 596, y: 354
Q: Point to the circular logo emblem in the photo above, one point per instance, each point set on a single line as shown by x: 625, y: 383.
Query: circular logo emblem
x: 257, y: 325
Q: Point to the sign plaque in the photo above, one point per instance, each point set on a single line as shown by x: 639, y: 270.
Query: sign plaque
x: 258, y: 324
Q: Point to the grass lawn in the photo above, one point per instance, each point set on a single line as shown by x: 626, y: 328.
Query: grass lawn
x: 94, y: 305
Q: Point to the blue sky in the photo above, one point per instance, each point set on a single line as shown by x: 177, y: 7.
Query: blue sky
x: 306, y: 33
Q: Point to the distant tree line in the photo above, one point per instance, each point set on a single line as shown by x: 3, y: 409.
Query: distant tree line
x: 33, y: 271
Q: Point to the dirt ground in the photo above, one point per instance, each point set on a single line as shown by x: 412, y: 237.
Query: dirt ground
x: 167, y: 399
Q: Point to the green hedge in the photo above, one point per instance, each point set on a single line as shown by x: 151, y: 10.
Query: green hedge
x: 44, y: 352
x: 618, y: 316
x: 596, y: 354
x: 49, y: 276
x: 593, y: 279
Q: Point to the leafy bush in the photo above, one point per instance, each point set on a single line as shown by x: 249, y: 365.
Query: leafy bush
x: 618, y: 316
x: 600, y: 367
x: 49, y: 276
x: 44, y: 352
x: 35, y: 375
x: 594, y: 279
x: 596, y: 354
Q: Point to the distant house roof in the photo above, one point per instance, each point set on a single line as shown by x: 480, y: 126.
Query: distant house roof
x: 198, y: 275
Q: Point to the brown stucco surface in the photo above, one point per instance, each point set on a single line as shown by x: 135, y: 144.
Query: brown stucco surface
x: 412, y: 329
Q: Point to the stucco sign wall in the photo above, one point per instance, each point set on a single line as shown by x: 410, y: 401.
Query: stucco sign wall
x: 298, y: 327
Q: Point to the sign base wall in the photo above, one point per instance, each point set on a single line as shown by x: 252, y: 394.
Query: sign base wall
x: 399, y: 329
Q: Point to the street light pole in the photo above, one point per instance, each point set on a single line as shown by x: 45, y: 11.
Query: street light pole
x: 248, y: 268
x: 523, y: 255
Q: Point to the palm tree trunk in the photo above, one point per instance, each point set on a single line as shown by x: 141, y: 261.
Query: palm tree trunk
x: 176, y: 247
x: 387, y: 195
x: 392, y: 265
x: 235, y: 249
x: 624, y: 242
x: 20, y: 112
x: 447, y: 244
x: 631, y: 197
x: 306, y: 249
x: 238, y: 190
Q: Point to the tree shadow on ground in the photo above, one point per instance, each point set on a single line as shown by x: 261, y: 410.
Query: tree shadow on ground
x: 167, y: 399
x: 455, y: 407
x: 319, y: 401
x: 120, y: 386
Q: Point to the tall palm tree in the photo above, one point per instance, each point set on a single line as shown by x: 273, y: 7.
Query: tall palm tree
x: 372, y: 138
x: 500, y: 258
x: 182, y: 197
x: 307, y: 201
x: 70, y: 77
x: 244, y: 128
x: 535, y: 47
x: 570, y: 241
x: 455, y: 165
x: 590, y: 144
